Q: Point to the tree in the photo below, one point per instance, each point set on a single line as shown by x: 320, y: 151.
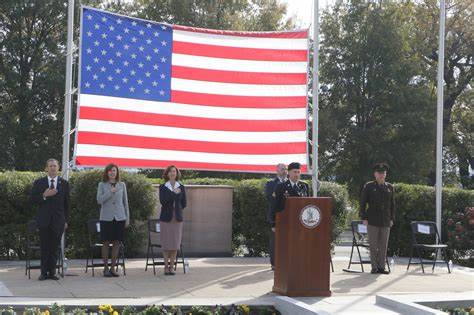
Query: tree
x: 376, y: 108
x: 458, y: 70
x: 241, y: 15
x: 462, y: 131
x: 31, y: 82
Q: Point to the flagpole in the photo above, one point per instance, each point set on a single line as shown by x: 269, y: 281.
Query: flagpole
x: 67, y: 103
x: 439, y: 117
x: 315, y: 122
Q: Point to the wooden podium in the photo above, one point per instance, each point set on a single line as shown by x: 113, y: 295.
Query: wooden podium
x: 302, y: 247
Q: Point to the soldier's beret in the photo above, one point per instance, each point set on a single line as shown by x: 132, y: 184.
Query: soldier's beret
x: 293, y: 166
x: 381, y: 167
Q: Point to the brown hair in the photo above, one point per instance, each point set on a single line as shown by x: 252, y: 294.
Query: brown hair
x: 168, y: 169
x: 105, y: 177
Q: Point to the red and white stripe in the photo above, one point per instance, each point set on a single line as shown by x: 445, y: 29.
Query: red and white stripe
x: 238, y: 103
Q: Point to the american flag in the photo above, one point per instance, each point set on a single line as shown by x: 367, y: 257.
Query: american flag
x: 155, y: 94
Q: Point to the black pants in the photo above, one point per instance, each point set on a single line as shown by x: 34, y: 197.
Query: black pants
x: 272, y: 248
x: 49, y: 243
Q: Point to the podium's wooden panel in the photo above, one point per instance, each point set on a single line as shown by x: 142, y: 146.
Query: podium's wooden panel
x: 302, y: 255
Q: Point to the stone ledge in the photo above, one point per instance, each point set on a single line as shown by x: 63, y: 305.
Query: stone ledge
x: 287, y: 305
x: 425, y: 304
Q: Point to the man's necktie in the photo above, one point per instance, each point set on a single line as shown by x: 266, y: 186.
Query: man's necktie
x: 52, y: 184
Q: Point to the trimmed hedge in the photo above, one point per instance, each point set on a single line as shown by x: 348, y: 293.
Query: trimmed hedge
x: 15, y: 211
x: 199, y: 181
x: 418, y: 203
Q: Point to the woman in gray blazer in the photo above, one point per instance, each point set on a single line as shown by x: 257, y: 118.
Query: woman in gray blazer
x: 114, y: 215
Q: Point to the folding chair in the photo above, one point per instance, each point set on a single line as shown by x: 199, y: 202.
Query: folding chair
x: 93, y: 231
x: 153, y: 232
x: 427, y: 233
x: 32, y: 247
x: 360, y: 239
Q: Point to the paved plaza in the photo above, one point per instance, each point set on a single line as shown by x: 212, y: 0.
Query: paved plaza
x: 211, y: 281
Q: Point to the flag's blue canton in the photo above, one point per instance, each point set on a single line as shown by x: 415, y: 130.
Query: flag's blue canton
x: 125, y: 57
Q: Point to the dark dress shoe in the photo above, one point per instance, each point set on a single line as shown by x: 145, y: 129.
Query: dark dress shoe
x: 42, y: 277
x: 172, y: 273
x: 374, y: 271
x: 113, y: 274
x: 53, y: 277
x: 384, y: 272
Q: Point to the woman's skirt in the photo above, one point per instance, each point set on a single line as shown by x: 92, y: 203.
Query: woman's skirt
x: 112, y: 230
x: 171, y: 234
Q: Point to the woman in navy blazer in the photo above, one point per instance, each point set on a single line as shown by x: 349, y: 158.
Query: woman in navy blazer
x: 173, y: 201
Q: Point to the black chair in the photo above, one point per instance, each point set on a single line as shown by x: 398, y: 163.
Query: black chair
x: 32, y: 247
x: 425, y: 236
x: 360, y: 239
x: 153, y: 232
x: 93, y: 231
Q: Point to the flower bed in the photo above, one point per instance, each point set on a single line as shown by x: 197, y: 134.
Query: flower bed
x: 148, y: 310
x: 459, y: 311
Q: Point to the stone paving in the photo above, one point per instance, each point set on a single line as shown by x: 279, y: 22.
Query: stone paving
x: 222, y: 281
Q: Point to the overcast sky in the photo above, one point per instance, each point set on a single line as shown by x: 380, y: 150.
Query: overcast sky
x: 302, y: 10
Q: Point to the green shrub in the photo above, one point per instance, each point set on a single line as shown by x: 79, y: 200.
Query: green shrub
x: 249, y: 225
x: 15, y: 211
x: 340, y: 209
x: 141, y: 199
x: 417, y: 203
x: 198, y: 181
x: 210, y: 181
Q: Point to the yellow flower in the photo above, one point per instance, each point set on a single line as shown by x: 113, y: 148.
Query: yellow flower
x: 245, y: 309
x: 115, y: 313
x: 46, y: 312
x: 106, y: 308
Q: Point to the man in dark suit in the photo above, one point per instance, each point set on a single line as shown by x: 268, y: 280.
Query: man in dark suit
x: 281, y: 177
x: 293, y: 187
x: 51, y: 195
